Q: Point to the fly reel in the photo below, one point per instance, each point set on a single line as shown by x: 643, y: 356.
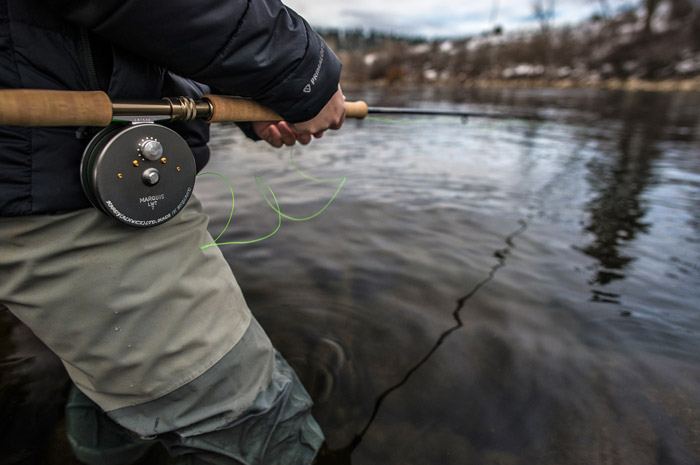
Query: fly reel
x: 140, y: 174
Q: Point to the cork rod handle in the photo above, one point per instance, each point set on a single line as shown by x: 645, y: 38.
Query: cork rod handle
x: 358, y: 109
x: 25, y: 107
x: 238, y: 110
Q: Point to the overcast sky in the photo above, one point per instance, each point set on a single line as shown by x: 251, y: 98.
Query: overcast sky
x: 439, y: 17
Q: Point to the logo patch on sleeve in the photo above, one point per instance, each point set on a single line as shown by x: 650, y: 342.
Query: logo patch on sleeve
x: 314, y: 78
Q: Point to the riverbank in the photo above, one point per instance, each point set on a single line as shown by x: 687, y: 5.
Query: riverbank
x: 627, y: 51
x: 669, y: 85
x: 632, y: 85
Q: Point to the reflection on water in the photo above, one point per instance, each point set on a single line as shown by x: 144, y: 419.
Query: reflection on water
x: 502, y: 292
x: 617, y: 212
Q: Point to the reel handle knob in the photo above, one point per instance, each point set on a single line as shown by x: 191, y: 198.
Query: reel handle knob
x: 151, y: 177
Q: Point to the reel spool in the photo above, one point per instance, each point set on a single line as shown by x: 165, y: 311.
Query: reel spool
x: 140, y: 174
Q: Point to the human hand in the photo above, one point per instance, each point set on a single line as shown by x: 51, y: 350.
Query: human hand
x: 331, y: 116
x: 278, y: 133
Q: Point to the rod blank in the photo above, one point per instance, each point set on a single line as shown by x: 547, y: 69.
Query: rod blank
x: 434, y: 112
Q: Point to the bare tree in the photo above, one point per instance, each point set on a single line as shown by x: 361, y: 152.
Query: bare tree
x: 650, y: 7
x: 543, y: 11
x: 604, y: 6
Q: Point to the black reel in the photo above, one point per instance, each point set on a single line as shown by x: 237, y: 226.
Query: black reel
x: 140, y: 174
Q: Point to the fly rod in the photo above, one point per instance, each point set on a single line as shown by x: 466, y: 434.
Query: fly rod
x: 433, y: 112
x: 143, y: 174
x: 27, y: 107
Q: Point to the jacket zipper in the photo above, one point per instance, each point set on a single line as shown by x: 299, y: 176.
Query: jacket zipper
x: 89, y: 60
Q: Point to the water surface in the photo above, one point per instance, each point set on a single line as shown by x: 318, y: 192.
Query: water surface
x: 489, y: 292
x: 508, y: 292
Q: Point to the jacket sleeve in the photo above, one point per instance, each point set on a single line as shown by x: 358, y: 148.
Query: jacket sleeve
x: 251, y: 48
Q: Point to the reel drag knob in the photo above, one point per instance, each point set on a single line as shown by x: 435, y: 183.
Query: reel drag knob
x: 151, y: 149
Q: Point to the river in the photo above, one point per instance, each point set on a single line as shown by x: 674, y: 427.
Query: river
x: 484, y: 291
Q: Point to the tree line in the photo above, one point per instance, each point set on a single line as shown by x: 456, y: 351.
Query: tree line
x: 656, y: 39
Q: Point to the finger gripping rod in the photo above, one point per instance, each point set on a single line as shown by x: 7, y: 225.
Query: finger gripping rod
x: 26, y: 107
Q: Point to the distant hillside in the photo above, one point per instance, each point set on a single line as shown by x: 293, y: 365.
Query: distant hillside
x: 630, y: 49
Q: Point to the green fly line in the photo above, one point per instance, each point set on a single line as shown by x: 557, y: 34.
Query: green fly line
x: 273, y: 204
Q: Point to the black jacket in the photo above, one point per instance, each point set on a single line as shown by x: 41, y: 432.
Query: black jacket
x: 136, y: 49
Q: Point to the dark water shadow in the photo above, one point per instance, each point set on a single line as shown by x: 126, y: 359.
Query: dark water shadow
x: 343, y: 455
x: 33, y: 390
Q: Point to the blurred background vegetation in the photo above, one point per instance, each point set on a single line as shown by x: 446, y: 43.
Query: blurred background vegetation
x: 651, y: 44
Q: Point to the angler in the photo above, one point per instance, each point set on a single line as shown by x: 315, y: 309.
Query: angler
x: 99, y: 232
x: 152, y: 330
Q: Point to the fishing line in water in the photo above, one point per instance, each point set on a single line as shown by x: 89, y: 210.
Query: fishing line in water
x: 273, y: 204
x: 343, y: 454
